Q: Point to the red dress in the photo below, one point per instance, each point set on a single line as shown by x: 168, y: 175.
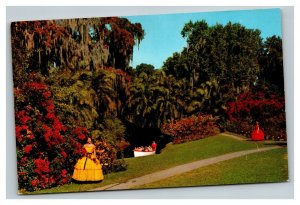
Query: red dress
x: 257, y: 134
x: 153, y: 146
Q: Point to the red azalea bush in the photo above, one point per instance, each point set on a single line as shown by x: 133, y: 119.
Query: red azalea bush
x: 43, y: 145
x: 243, y: 127
x: 191, y: 128
x: 266, y: 108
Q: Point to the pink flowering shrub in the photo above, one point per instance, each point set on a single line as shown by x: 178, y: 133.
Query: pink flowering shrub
x: 191, y: 128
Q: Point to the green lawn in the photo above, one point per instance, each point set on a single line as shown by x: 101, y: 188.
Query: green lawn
x: 268, y: 166
x: 172, y: 155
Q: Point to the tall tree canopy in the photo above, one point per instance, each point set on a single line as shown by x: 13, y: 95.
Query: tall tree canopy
x: 226, y: 53
x: 121, y: 35
x: 75, y: 44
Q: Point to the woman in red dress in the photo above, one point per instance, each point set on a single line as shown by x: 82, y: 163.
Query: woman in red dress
x: 257, y: 133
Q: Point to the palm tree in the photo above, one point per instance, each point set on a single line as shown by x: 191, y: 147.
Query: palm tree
x: 103, y: 84
x: 155, y: 99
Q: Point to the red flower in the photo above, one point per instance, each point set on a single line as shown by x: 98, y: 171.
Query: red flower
x: 30, y: 136
x: 81, y: 137
x: 27, y: 149
x: 50, y: 116
x: 34, y: 182
x: 51, y: 180
x: 42, y: 166
x: 24, y: 161
x: 64, y: 173
x: 23, y: 117
x: 36, y: 86
x: 63, y: 181
x: 47, y: 94
x: 63, y: 154
x: 20, y: 132
x: 22, y: 173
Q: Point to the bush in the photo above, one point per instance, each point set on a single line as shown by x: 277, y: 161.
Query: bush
x: 275, y: 127
x: 116, y: 166
x: 242, y: 127
x: 266, y: 108
x: 191, y: 128
x: 43, y: 149
x: 107, y: 157
x: 112, y: 131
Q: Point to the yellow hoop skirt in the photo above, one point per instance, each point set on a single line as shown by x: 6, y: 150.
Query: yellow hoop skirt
x: 87, y: 169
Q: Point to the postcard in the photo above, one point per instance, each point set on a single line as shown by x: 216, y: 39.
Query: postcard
x: 153, y: 101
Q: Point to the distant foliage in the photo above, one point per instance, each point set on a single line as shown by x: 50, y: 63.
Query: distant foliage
x: 191, y: 128
x: 146, y: 68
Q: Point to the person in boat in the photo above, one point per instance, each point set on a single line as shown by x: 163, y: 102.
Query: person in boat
x: 153, y: 146
x: 138, y: 149
x: 257, y: 134
x: 88, y: 168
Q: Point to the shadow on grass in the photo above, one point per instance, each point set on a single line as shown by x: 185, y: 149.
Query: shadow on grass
x: 283, y: 144
x: 269, y: 142
x: 86, y: 182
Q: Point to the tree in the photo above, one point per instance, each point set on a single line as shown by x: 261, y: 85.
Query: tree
x: 146, y: 68
x: 120, y: 36
x: 60, y: 44
x: 155, y: 99
x: 271, y: 61
x: 226, y: 53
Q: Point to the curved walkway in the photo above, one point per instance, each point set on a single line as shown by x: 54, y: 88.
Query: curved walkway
x: 149, y: 178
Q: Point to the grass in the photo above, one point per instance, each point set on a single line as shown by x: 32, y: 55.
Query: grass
x: 267, y: 166
x: 172, y: 155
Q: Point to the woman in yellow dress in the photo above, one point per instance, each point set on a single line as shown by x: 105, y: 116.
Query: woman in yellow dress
x: 88, y: 168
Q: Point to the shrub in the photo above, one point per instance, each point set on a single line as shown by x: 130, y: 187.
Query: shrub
x: 191, y: 128
x: 266, y: 108
x: 112, y: 131
x: 42, y: 149
x: 106, y: 154
x: 243, y: 127
x: 116, y: 166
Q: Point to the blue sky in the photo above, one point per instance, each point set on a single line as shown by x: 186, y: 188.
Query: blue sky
x: 163, y: 37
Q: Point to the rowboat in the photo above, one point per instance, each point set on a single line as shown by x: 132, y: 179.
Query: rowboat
x: 143, y: 154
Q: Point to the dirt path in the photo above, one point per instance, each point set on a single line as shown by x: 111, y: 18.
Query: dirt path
x: 234, y: 136
x: 149, y: 178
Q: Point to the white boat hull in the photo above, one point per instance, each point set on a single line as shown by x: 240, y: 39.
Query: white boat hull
x: 142, y: 154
